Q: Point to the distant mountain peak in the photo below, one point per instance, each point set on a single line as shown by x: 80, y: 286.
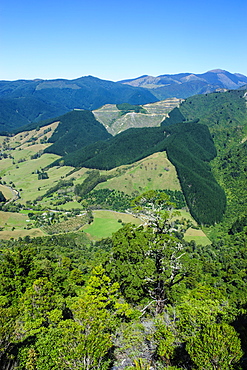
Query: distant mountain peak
x: 183, y: 85
x: 217, y: 71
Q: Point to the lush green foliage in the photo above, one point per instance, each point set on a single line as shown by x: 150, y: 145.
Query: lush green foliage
x: 189, y: 147
x: 75, y: 130
x: 189, y: 151
x: 93, y: 179
x: 126, y: 147
x: 175, y: 116
x: 225, y: 115
x: 108, y: 199
x: 126, y: 108
x: 157, y: 302
x: 22, y: 102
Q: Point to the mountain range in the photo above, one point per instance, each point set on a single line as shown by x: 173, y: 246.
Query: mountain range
x: 183, y: 85
x: 23, y: 102
x: 26, y: 101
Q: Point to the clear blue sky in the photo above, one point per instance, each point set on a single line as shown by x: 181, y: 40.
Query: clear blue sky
x: 115, y: 40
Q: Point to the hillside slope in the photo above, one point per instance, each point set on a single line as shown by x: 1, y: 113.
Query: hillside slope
x: 75, y: 130
x: 225, y: 114
x: 116, y: 120
x: 189, y: 147
x: 25, y: 101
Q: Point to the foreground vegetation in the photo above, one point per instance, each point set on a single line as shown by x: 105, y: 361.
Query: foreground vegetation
x: 143, y: 298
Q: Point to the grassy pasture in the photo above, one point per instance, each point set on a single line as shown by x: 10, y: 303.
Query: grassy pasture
x: 9, y: 220
x: 154, y: 172
x: 6, y: 191
x: 70, y: 205
x: 16, y: 234
x: 106, y: 222
x: 14, y: 225
x: 194, y: 234
x: 25, y: 178
x: 197, y: 235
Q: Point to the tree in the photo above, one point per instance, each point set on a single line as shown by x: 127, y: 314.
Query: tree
x: 148, y: 262
x: 2, y: 198
x: 78, y: 338
x: 156, y: 211
x: 216, y: 346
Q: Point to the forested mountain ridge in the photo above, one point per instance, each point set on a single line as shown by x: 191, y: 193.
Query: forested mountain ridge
x: 189, y: 147
x: 26, y: 101
x: 225, y: 114
x: 183, y: 85
x: 75, y: 130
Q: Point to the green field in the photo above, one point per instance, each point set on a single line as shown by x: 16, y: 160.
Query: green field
x: 151, y: 173
x: 197, y: 235
x: 106, y: 222
x: 14, y: 225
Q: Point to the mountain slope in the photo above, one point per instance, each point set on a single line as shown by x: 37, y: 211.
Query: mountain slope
x: 189, y: 147
x: 225, y: 114
x: 23, y: 102
x: 183, y: 85
x: 75, y: 130
x: 115, y: 119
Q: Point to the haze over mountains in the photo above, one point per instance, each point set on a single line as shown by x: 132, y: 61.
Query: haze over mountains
x: 183, y: 85
x: 25, y: 101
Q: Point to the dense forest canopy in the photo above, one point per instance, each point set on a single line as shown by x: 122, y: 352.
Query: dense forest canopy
x: 144, y: 296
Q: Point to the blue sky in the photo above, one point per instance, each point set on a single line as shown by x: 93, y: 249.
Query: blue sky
x: 116, y: 40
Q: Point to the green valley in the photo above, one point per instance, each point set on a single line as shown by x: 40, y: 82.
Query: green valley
x: 123, y: 232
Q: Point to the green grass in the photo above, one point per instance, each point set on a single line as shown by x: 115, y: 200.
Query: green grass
x: 198, y: 236
x: 69, y: 206
x: 146, y: 174
x: 14, y: 226
x: 25, y: 178
x: 194, y: 234
x: 106, y: 222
